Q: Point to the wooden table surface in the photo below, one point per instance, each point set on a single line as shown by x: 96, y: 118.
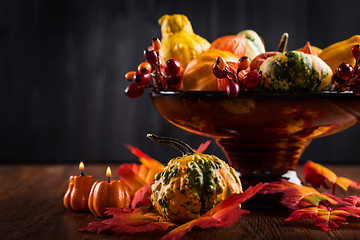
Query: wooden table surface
x: 31, y: 208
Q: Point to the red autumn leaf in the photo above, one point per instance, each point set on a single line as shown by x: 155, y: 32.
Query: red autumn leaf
x: 295, y: 196
x: 225, y: 214
x: 129, y: 221
x: 352, y: 201
x: 203, y: 146
x: 354, y: 211
x: 134, y: 175
x: 142, y: 196
x: 323, y: 217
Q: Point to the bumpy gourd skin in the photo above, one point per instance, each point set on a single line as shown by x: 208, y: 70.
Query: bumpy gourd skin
x: 191, y: 185
x: 295, y: 72
x: 179, y: 40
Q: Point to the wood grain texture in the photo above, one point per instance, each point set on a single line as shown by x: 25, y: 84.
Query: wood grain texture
x: 31, y: 208
x: 62, y: 66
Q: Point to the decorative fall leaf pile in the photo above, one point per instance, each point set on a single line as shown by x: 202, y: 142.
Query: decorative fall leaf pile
x: 131, y: 221
x: 326, y: 210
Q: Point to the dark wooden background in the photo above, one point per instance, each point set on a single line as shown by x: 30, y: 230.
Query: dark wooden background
x: 62, y: 66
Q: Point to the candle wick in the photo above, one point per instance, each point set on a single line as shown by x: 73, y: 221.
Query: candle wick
x: 108, y: 179
x: 82, y: 173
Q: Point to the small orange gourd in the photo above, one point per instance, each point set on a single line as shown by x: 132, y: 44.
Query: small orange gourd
x: 231, y: 43
x: 105, y: 194
x: 77, y: 195
x: 198, y: 74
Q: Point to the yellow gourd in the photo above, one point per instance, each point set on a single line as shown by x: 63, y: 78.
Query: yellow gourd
x: 179, y: 40
x: 198, y: 75
x: 340, y: 52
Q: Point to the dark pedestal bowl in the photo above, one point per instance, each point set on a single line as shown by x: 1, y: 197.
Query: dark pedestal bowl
x: 262, y: 134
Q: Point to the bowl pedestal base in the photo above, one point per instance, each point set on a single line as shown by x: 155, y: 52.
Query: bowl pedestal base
x: 264, y: 161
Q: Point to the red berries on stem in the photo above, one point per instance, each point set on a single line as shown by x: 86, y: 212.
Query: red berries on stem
x: 345, y: 71
x: 251, y: 80
x: 232, y: 89
x: 236, y: 84
x: 346, y: 76
x: 165, y: 77
x: 134, y: 90
x: 172, y: 67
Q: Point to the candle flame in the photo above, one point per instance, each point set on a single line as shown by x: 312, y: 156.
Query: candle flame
x: 81, y: 166
x: 108, y: 172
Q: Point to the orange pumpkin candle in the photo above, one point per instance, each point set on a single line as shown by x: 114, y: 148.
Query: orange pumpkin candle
x: 108, y: 193
x: 77, y: 194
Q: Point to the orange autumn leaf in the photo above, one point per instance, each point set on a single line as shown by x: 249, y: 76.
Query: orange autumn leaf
x: 345, y: 183
x: 148, y: 161
x: 307, y: 49
x: 325, y: 218
x: 135, y: 175
x: 225, y: 214
x: 316, y: 175
x: 295, y: 196
x: 129, y: 221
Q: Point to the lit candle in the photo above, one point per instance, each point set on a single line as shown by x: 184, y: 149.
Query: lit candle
x: 77, y: 195
x: 107, y: 194
x: 81, y: 168
x: 108, y: 173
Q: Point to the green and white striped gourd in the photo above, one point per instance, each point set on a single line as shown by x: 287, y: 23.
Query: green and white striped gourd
x: 295, y: 71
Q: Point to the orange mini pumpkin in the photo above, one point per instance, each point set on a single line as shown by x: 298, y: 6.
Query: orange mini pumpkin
x: 232, y: 43
x: 198, y: 74
x: 77, y: 194
x: 106, y: 194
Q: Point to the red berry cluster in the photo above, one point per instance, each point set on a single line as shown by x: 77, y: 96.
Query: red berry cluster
x: 165, y: 77
x: 347, y: 76
x: 222, y: 70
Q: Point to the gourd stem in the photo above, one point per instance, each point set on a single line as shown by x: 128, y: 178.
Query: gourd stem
x: 179, y: 145
x: 283, y: 42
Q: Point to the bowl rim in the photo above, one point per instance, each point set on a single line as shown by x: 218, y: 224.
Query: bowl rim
x: 220, y: 94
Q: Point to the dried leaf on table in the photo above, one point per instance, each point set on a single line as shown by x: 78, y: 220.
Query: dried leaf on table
x: 325, y: 218
x: 137, y: 176
x: 316, y: 175
x: 295, y: 196
x: 345, y: 183
x: 225, y: 214
x: 129, y: 221
x: 142, y: 196
x: 145, y: 159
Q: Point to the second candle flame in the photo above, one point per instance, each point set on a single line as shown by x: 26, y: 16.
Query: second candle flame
x: 108, y: 173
